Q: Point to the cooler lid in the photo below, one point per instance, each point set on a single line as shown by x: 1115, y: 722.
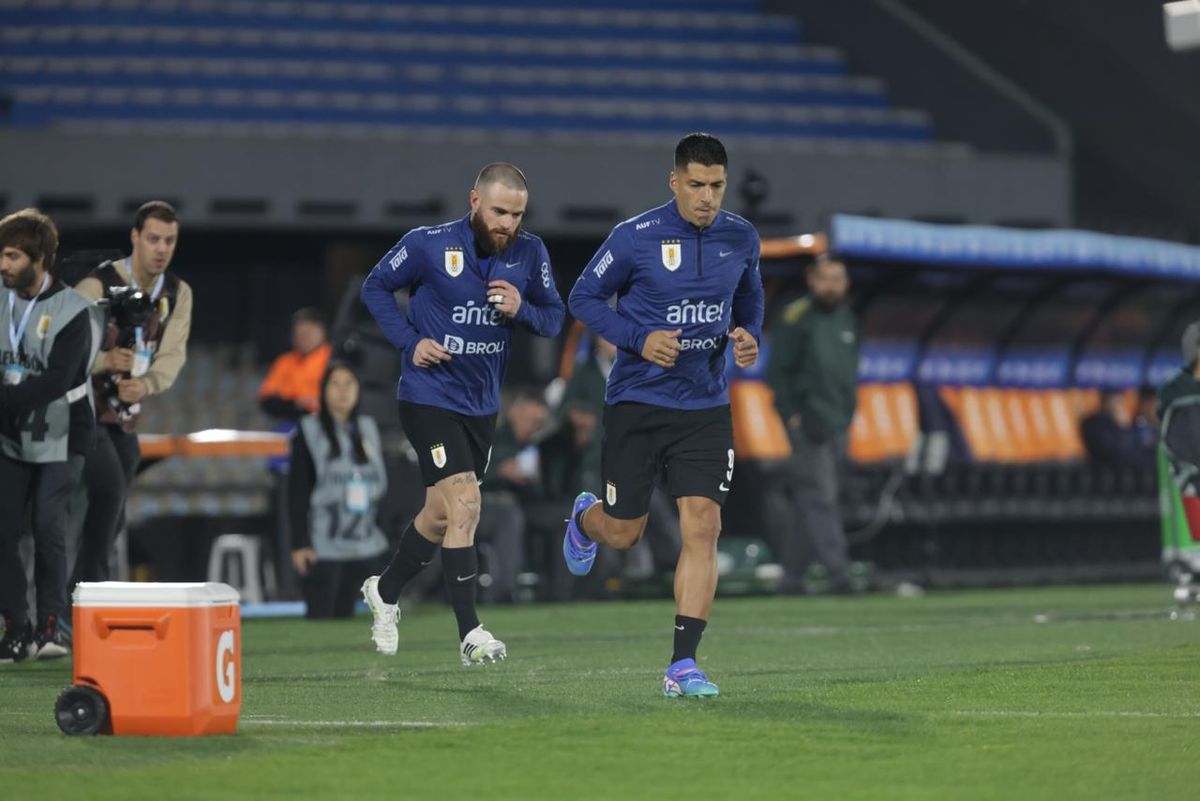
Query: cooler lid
x: 153, y: 593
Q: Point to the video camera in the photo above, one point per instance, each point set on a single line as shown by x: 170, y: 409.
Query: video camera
x: 129, y: 309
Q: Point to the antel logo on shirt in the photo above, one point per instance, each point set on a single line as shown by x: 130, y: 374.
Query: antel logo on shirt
x: 459, y: 346
x: 476, y: 315
x: 687, y: 312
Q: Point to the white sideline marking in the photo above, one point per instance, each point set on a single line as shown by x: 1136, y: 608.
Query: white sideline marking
x: 1032, y: 713
x: 349, y: 724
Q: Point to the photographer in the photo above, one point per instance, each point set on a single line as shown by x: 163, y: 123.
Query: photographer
x: 144, y: 347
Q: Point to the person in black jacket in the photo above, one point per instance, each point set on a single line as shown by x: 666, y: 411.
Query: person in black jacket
x: 336, y: 479
x: 46, y: 427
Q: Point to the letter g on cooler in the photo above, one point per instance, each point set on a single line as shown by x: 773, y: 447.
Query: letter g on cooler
x: 226, y: 667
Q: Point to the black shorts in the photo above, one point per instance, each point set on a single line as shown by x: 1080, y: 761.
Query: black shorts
x: 689, y: 451
x: 448, y: 443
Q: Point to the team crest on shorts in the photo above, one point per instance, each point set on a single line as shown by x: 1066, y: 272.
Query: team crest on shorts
x: 43, y: 326
x: 672, y: 253
x: 611, y: 494
x: 454, y: 262
x: 439, y: 455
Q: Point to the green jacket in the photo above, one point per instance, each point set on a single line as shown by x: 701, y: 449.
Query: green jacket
x: 813, y: 367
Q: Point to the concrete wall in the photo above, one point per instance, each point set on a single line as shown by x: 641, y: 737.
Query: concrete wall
x: 579, y: 187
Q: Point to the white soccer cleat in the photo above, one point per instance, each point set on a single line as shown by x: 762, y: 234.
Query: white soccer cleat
x: 479, y: 646
x: 383, y: 628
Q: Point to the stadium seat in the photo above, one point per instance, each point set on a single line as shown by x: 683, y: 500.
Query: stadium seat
x: 885, y: 424
x: 758, y: 433
x: 328, y: 66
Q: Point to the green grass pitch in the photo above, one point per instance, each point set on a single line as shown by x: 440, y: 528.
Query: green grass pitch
x: 1062, y: 693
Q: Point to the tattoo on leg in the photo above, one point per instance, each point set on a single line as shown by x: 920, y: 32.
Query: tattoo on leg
x: 471, y: 513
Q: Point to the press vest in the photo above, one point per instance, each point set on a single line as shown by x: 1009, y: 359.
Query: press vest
x: 345, y: 497
x: 43, y: 436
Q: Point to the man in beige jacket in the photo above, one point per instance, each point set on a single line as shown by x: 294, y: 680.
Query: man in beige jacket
x: 143, y: 348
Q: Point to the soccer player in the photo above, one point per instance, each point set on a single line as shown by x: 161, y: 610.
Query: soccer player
x: 471, y: 281
x: 46, y: 427
x: 687, y: 284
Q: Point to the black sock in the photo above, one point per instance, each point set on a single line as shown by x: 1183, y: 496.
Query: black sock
x: 579, y: 521
x: 460, y: 567
x: 411, y: 557
x: 688, y: 631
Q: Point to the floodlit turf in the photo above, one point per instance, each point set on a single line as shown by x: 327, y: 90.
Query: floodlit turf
x: 954, y: 695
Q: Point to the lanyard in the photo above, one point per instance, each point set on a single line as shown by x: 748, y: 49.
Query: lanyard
x: 158, y: 285
x: 15, y: 335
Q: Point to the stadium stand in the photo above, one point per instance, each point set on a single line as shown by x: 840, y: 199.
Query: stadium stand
x: 983, y: 350
x: 567, y: 68
x: 217, y: 390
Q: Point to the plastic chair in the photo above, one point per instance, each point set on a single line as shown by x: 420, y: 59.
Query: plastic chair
x: 236, y: 560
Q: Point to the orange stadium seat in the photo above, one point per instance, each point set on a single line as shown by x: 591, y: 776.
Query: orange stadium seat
x: 885, y: 425
x: 1017, y: 425
x: 758, y: 432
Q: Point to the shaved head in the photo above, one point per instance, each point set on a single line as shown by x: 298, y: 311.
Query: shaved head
x: 498, y: 206
x: 503, y: 173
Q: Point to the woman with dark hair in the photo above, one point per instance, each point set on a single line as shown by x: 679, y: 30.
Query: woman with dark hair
x: 336, y: 480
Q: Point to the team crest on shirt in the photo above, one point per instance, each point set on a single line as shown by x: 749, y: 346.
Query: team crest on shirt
x: 611, y: 494
x: 439, y: 455
x: 454, y: 262
x: 43, y: 326
x: 672, y: 253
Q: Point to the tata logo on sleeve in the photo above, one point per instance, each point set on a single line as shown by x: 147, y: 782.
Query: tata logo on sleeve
x: 603, y: 264
x: 672, y: 254
x: 399, y: 258
x: 454, y: 262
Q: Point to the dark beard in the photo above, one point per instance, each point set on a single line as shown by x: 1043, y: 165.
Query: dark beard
x: 484, y: 239
x: 23, y: 281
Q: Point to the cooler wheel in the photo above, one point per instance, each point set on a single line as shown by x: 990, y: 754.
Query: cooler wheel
x: 81, y: 711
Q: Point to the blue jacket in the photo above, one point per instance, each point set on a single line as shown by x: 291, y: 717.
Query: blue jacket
x: 448, y: 303
x: 669, y: 275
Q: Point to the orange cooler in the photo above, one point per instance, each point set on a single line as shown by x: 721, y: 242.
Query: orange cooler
x: 166, y: 658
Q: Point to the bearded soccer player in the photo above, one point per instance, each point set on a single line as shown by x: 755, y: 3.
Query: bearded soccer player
x: 687, y: 284
x: 471, y: 282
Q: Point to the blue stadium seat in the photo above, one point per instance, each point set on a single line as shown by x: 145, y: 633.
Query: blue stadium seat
x: 568, y: 67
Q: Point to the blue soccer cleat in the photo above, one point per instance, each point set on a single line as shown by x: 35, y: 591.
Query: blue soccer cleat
x: 578, y: 550
x: 684, y: 680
